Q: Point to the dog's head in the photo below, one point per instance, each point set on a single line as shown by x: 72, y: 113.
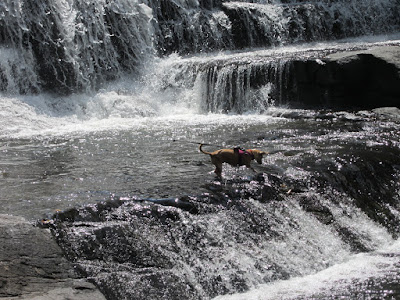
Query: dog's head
x: 258, y: 155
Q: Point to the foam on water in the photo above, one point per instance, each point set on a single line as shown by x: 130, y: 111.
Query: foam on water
x: 41, y: 116
x: 169, y: 87
x: 336, y: 280
x: 121, y: 104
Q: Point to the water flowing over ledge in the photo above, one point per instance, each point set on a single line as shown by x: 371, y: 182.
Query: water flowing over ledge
x: 322, y: 75
x: 71, y: 45
x: 245, y: 230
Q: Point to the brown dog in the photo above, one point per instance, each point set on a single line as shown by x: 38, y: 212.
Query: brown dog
x: 234, y: 157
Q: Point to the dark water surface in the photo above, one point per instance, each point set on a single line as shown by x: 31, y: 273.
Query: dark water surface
x: 158, y: 157
x: 155, y: 158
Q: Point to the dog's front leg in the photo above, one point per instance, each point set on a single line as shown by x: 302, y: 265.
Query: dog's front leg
x: 250, y: 167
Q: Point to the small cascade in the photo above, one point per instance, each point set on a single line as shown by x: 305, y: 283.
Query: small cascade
x: 240, y: 233
x: 246, y: 88
x: 190, y: 26
x: 17, y: 72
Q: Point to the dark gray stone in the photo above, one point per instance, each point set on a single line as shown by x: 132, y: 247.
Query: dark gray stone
x: 32, y: 265
x: 364, y: 79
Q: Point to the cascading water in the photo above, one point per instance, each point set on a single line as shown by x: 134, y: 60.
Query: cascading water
x: 74, y: 45
x: 71, y: 45
x: 100, y: 115
x: 256, y: 25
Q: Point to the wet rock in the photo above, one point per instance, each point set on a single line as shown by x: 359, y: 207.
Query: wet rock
x: 320, y: 211
x: 388, y: 112
x: 182, y: 203
x: 33, y: 267
x: 152, y: 248
x: 149, y: 284
x: 355, y: 79
x: 351, y: 239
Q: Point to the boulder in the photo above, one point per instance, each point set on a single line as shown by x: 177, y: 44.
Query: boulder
x: 364, y: 79
x: 32, y: 265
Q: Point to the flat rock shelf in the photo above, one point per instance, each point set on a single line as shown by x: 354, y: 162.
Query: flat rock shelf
x: 32, y: 265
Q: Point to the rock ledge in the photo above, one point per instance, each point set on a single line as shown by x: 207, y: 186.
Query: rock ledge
x: 32, y: 265
x: 364, y: 79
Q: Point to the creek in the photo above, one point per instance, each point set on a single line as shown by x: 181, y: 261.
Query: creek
x: 103, y: 105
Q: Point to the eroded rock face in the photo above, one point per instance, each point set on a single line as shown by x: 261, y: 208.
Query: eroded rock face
x: 362, y: 79
x: 33, y: 267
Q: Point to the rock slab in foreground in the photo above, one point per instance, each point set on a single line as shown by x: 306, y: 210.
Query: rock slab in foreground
x: 361, y: 79
x: 32, y: 265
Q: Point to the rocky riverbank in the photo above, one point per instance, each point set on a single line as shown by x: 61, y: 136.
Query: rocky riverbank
x: 32, y: 265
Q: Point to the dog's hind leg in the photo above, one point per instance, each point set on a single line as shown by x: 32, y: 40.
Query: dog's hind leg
x: 218, y: 171
x: 218, y: 166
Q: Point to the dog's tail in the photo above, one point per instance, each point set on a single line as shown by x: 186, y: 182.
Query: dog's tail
x: 201, y: 150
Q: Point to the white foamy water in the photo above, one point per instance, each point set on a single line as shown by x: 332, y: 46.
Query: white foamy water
x: 173, y: 87
x: 36, y: 116
x: 336, y: 282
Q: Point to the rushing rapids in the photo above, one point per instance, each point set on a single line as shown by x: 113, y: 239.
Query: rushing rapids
x: 320, y: 198
x: 103, y: 103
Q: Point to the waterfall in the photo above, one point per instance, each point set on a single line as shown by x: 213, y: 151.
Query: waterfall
x: 65, y: 46
x: 137, y: 84
x: 255, y: 24
x: 68, y: 45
